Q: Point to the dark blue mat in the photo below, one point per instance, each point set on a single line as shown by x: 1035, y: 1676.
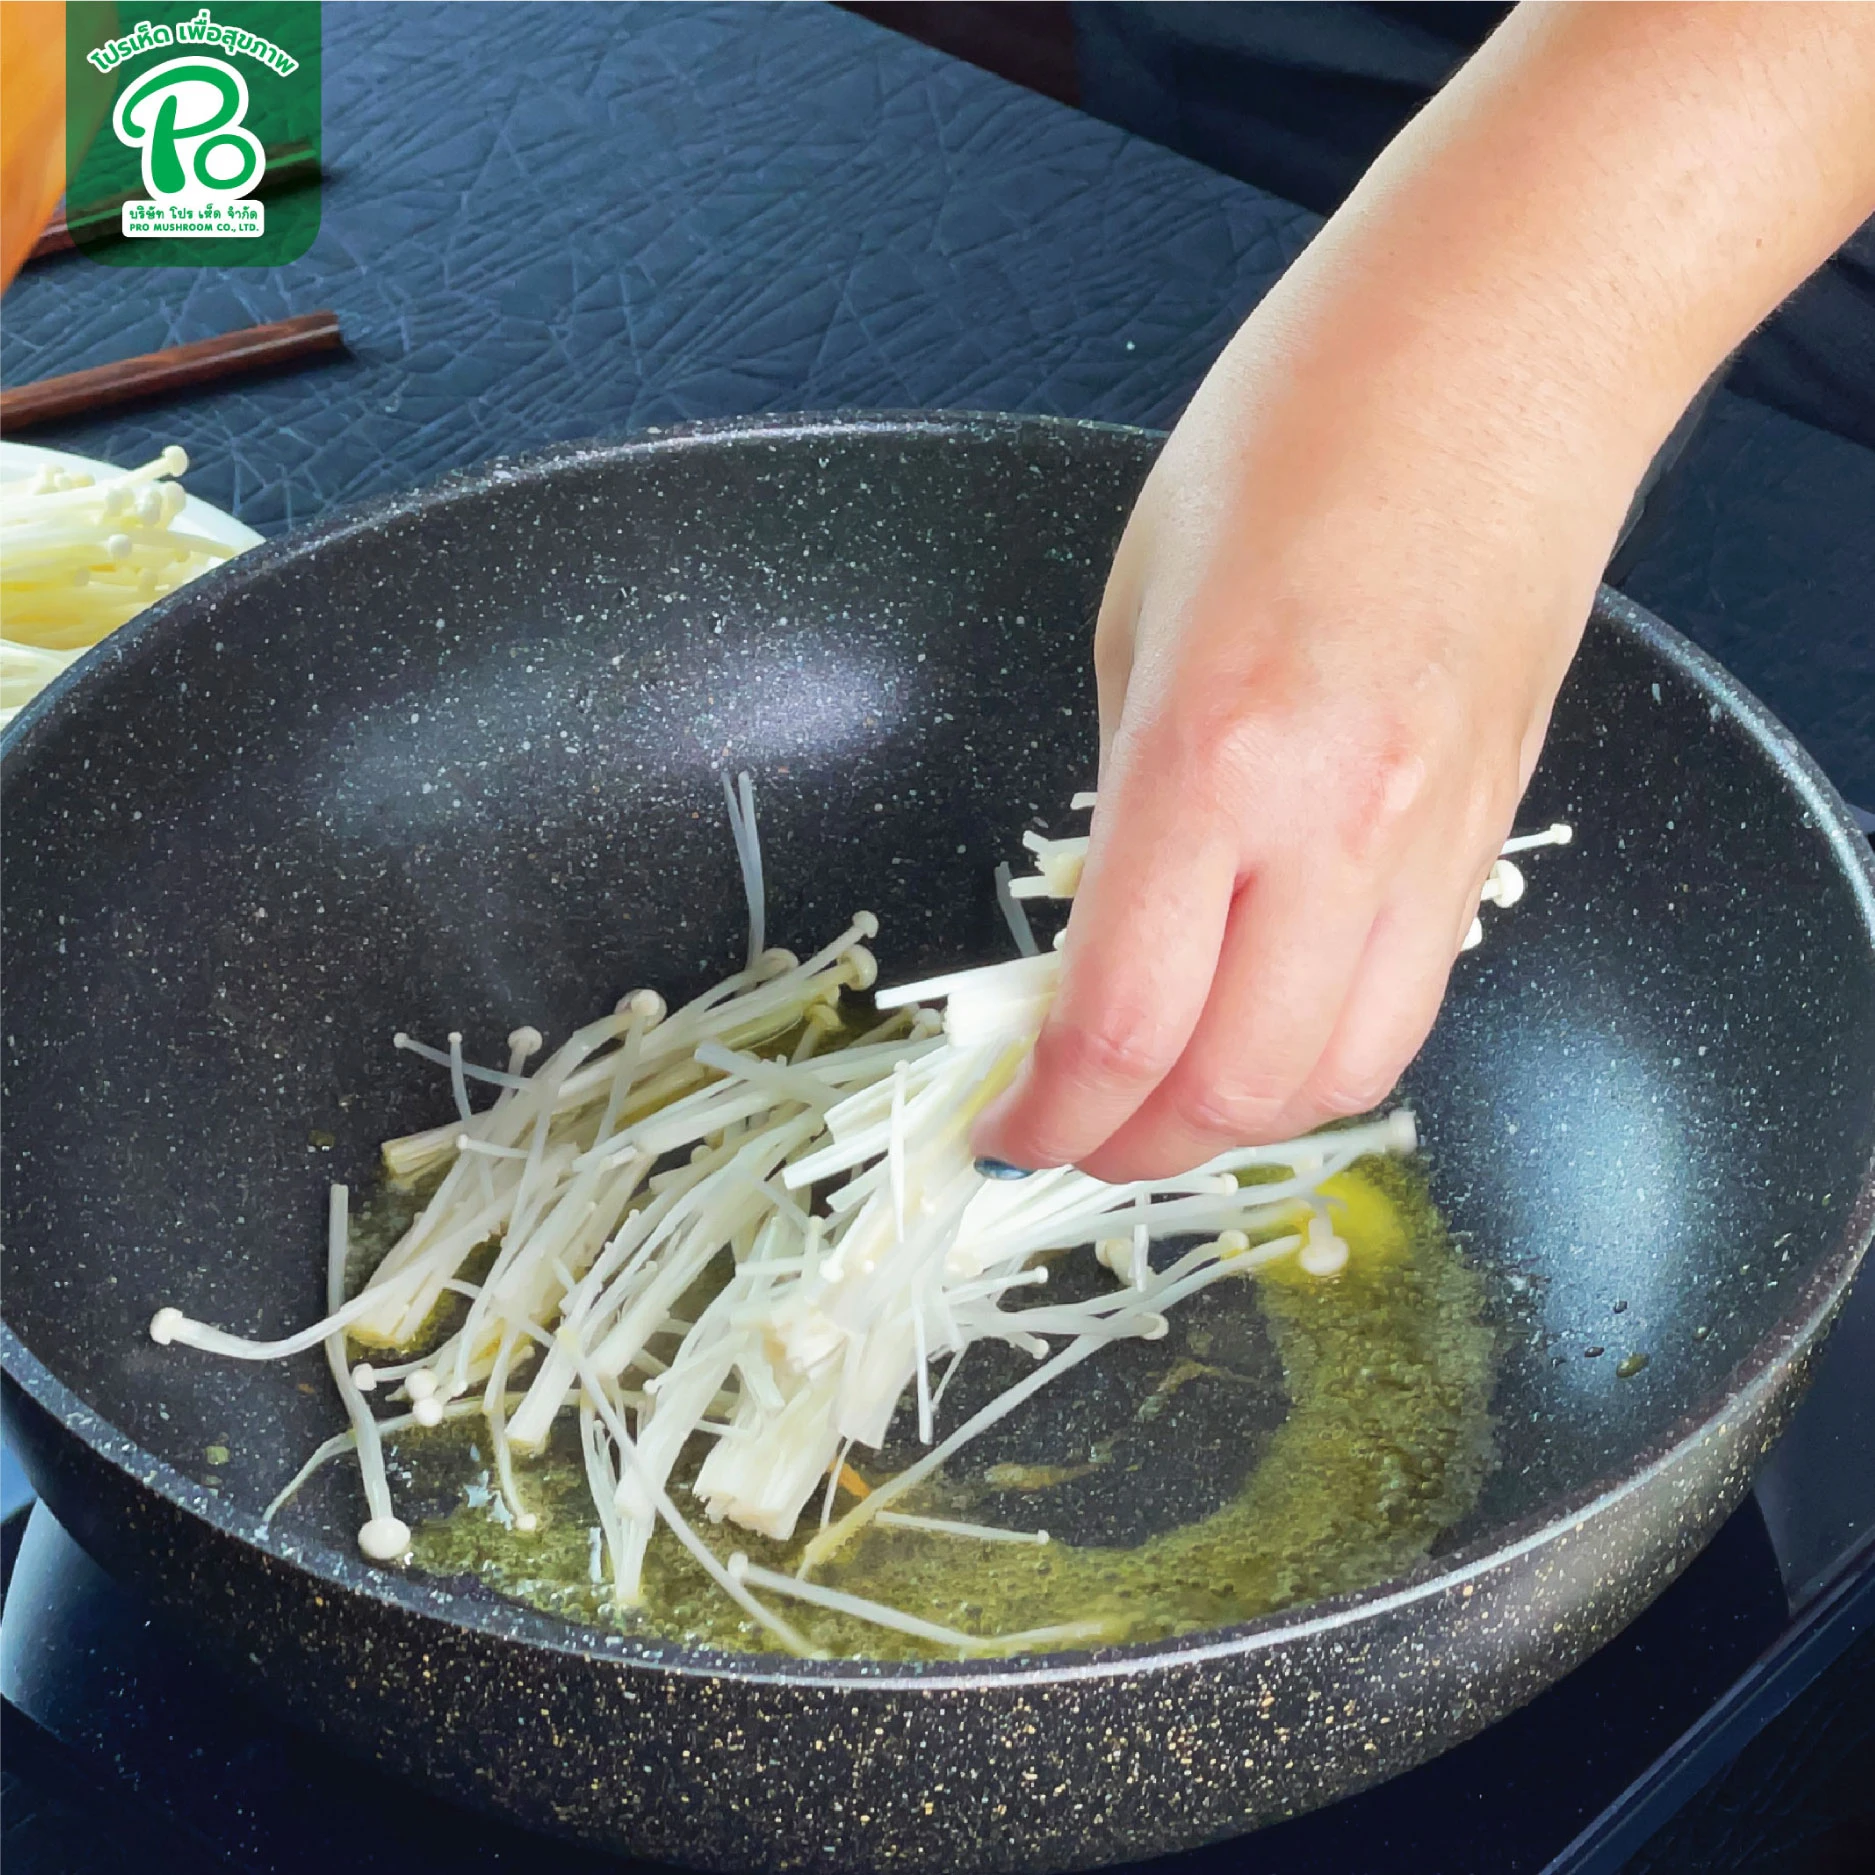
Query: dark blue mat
x: 552, y: 221
x: 640, y: 215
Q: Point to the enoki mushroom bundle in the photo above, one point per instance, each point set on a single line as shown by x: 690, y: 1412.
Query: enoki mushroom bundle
x: 756, y: 1222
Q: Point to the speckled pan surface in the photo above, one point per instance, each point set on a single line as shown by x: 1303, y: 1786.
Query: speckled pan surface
x: 450, y: 761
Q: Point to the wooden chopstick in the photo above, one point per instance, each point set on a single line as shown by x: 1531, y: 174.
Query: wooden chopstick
x: 288, y: 165
x: 176, y: 368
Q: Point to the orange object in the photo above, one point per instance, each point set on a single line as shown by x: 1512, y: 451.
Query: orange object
x: 32, y: 123
x: 853, y: 1482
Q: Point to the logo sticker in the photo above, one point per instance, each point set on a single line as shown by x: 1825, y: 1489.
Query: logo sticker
x: 210, y: 154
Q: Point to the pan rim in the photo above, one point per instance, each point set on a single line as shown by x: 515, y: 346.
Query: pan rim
x: 1754, y: 1376
x: 19, y: 737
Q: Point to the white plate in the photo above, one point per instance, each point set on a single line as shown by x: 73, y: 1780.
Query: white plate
x: 19, y: 460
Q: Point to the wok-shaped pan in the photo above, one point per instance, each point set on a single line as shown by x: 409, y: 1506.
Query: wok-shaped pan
x: 450, y: 761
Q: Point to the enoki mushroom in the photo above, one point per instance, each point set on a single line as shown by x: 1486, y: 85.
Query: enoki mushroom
x: 81, y: 556
x: 824, y: 1181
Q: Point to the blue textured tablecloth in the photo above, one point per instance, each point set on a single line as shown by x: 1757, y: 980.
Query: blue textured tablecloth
x: 549, y: 221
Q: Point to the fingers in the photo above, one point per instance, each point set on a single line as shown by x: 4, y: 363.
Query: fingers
x: 1394, y: 998
x: 1310, y: 1006
x: 1296, y: 937
x: 1148, y: 921
x: 1390, y: 1008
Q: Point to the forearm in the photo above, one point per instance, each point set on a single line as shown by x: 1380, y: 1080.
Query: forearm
x: 1589, y: 218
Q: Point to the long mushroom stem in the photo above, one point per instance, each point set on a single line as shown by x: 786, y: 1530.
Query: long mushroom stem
x: 718, y: 1224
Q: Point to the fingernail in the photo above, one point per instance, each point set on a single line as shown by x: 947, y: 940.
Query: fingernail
x: 1001, y: 1168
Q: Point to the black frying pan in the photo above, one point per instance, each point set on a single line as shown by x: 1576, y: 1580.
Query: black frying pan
x: 451, y: 760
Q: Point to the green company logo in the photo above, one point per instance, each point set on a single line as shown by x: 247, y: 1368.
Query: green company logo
x: 213, y: 111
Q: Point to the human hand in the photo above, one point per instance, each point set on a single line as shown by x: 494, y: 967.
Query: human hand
x: 1326, y: 659
x: 1354, y: 580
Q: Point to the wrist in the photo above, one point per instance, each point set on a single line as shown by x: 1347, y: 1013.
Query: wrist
x: 1507, y: 428
x: 1527, y: 386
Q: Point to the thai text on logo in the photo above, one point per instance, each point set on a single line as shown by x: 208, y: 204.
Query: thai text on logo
x: 200, y: 31
x: 200, y: 161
